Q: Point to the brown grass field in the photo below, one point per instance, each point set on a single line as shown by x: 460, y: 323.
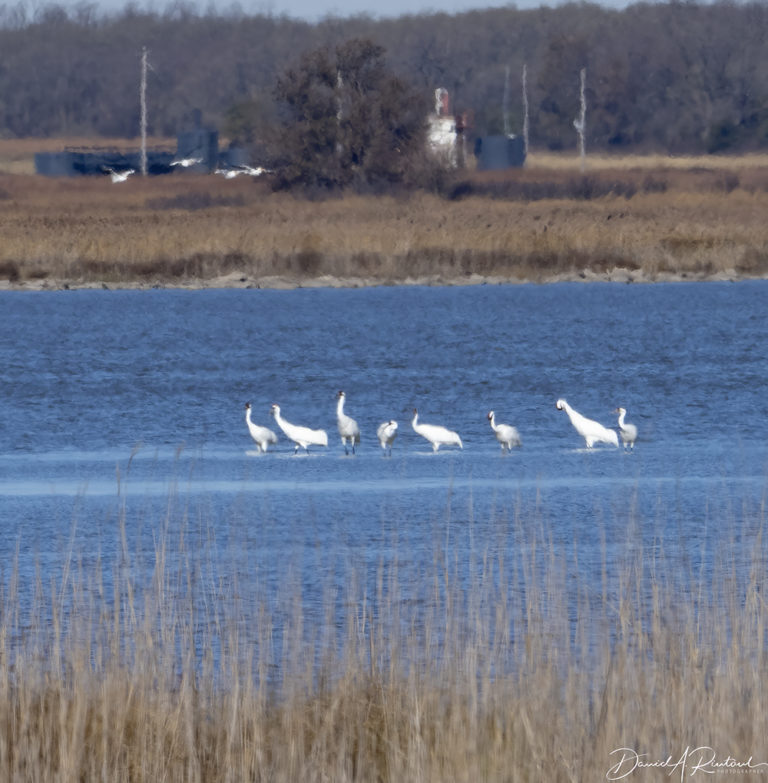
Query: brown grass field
x: 623, y: 218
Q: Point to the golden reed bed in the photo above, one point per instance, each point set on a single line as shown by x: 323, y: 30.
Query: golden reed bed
x: 514, y: 673
x: 627, y: 219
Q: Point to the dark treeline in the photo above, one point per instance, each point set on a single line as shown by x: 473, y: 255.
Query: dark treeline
x: 677, y: 77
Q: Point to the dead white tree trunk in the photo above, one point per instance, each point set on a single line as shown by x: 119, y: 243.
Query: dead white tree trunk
x: 505, y: 104
x: 525, y: 110
x: 143, y: 99
x: 580, y: 123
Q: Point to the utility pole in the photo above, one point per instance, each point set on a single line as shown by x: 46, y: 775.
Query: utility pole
x: 143, y: 98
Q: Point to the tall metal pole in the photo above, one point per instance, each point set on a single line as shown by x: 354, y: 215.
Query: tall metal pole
x: 143, y: 97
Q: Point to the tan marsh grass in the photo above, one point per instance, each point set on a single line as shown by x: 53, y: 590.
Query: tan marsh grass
x: 515, y: 673
x: 538, y: 223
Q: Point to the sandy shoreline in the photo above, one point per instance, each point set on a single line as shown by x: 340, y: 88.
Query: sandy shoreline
x: 286, y: 283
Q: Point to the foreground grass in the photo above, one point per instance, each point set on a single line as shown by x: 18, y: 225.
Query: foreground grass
x: 626, y: 218
x: 512, y: 674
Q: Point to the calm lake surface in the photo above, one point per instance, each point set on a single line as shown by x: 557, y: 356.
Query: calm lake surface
x: 122, y: 424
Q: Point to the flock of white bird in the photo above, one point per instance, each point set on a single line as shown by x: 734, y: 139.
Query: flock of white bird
x: 121, y: 175
x: 508, y: 437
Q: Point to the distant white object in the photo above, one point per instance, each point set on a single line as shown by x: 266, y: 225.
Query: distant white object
x: 263, y: 436
x: 627, y: 431
x: 386, y: 434
x: 255, y: 171
x: 185, y: 163
x: 118, y: 176
x: 230, y: 173
x: 592, y: 431
x: 435, y: 434
x: 348, y: 428
x: 442, y: 136
x: 303, y: 437
x: 506, y: 434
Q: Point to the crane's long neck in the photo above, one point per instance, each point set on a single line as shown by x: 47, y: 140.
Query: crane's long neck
x: 493, y: 422
x: 415, y: 421
x: 622, y: 414
x: 248, y: 415
x: 340, y: 407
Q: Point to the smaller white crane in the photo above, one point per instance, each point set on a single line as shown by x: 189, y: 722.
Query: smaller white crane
x: 386, y: 433
x: 627, y: 431
x: 506, y: 434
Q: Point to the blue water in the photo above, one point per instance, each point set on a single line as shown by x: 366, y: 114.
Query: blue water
x: 122, y: 421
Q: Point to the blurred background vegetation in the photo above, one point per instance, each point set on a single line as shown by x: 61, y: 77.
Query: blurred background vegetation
x: 675, y: 78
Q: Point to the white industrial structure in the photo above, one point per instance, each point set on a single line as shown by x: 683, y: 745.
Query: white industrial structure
x: 443, y: 137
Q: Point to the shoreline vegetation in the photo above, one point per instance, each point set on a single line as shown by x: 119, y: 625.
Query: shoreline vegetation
x: 632, y: 219
x: 516, y: 669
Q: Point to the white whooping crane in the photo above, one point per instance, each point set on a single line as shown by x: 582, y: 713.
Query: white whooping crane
x: 303, y: 437
x: 592, y: 431
x: 435, y: 434
x: 118, y: 176
x: 348, y: 428
x: 263, y: 436
x: 185, y: 163
x: 627, y: 431
x: 506, y: 434
x: 386, y: 434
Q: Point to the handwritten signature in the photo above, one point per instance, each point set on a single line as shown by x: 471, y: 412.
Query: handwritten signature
x: 702, y: 759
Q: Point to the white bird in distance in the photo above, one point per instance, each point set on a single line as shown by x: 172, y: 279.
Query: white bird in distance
x: 185, y: 163
x: 118, y: 176
x: 230, y: 173
x: 256, y: 171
